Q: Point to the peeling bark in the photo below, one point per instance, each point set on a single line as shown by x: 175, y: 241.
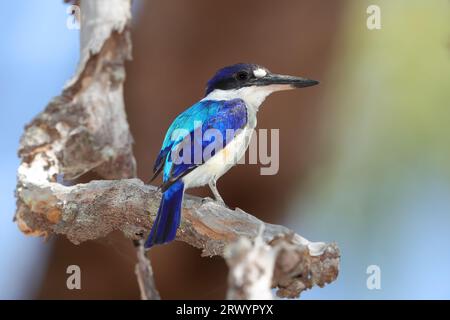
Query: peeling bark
x: 74, y: 135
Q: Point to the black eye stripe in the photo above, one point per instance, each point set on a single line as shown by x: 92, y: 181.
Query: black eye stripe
x: 233, y: 77
x: 242, y: 75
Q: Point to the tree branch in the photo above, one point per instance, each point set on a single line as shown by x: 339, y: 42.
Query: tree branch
x: 251, y: 268
x: 144, y: 274
x: 93, y: 210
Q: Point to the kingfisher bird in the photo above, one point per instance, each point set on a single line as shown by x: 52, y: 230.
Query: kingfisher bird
x: 231, y: 103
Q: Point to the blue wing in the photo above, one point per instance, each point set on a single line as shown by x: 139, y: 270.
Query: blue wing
x: 187, y: 132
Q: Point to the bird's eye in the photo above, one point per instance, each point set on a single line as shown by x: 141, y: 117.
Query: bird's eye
x: 243, y: 75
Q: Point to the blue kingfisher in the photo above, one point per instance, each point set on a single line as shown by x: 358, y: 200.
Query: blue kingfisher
x: 231, y: 103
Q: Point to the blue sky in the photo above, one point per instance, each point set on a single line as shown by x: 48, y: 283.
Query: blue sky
x: 38, y: 54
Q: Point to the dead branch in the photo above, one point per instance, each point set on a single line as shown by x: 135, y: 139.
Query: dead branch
x: 93, y: 210
x: 144, y: 274
x: 251, y: 268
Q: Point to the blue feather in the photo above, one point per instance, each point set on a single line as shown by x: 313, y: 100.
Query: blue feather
x: 168, y: 218
x: 210, y: 114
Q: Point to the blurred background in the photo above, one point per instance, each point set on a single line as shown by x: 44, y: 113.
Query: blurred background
x: 364, y: 157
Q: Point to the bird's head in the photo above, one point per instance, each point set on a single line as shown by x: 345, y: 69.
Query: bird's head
x: 251, y: 82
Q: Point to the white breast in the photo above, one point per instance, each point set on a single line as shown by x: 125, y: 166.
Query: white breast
x: 225, y: 159
x: 221, y: 162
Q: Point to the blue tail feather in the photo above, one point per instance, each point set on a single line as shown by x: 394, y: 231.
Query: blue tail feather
x: 168, y: 218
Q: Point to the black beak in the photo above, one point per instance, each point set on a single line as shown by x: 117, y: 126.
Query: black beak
x: 278, y: 79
